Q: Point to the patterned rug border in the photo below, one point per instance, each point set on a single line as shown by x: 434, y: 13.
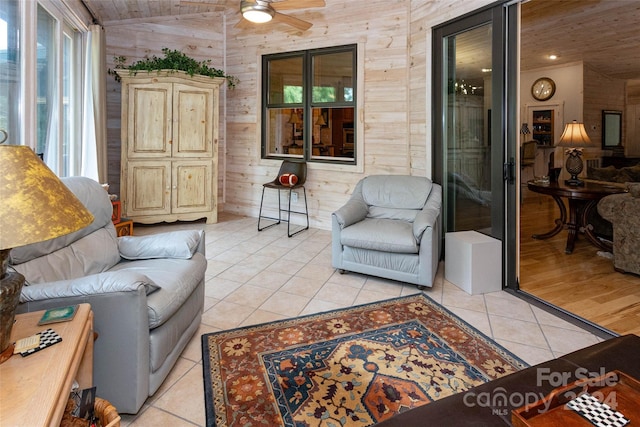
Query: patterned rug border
x: 206, y: 365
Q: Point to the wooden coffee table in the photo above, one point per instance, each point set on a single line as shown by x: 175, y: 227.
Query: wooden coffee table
x: 35, y: 389
x: 582, y: 200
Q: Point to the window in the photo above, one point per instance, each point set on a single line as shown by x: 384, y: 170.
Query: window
x: 40, y: 102
x: 309, y: 105
x: 9, y: 70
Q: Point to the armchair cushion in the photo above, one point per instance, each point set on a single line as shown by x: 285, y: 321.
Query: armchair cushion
x: 175, y: 244
x: 384, y: 235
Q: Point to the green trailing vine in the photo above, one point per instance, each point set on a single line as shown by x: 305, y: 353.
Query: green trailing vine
x: 173, y: 60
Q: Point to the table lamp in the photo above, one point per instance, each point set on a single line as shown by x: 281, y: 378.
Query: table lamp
x: 574, y: 138
x: 34, y: 206
x: 294, y: 120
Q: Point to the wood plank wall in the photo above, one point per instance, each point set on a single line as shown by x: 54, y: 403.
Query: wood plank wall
x: 394, y: 39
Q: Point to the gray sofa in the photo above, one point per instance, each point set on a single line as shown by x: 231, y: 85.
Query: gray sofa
x: 146, y: 293
x: 391, y: 227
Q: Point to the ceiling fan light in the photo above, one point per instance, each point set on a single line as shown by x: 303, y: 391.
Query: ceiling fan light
x: 257, y: 11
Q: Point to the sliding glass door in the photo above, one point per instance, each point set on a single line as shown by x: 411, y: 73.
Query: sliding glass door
x: 473, y: 124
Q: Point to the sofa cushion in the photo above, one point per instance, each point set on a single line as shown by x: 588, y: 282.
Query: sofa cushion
x: 175, y: 244
x: 629, y: 174
x: 602, y: 174
x: 396, y: 191
x: 91, y: 254
x: 385, y: 235
x: 176, y: 278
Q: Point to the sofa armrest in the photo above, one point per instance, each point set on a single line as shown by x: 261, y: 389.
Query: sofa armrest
x: 101, y: 283
x: 121, y: 322
x: 175, y: 244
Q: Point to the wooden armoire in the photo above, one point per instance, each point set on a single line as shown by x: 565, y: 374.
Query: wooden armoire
x: 169, y: 134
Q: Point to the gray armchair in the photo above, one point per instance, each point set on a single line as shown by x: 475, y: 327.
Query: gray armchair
x: 390, y: 227
x: 146, y: 293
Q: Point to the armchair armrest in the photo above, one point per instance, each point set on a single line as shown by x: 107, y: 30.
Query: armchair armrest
x: 101, y: 283
x: 424, y: 219
x: 353, y: 211
x: 175, y: 244
x: 430, y: 213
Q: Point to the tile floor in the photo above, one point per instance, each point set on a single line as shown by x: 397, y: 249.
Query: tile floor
x: 255, y: 277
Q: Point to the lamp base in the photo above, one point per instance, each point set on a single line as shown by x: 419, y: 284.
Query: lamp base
x: 10, y: 287
x: 7, y: 353
x: 574, y: 182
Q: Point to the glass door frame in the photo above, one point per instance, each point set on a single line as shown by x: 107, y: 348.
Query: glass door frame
x: 504, y: 100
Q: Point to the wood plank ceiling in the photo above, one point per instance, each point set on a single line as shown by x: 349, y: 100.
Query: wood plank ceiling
x: 602, y: 33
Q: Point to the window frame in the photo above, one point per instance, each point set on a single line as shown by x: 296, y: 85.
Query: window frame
x: 307, y: 106
x: 67, y: 24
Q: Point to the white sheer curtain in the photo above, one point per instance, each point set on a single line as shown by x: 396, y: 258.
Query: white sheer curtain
x: 94, y: 118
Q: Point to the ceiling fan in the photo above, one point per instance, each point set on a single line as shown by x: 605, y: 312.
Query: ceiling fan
x: 262, y: 11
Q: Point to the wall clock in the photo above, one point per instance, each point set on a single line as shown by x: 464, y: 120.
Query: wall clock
x: 543, y: 88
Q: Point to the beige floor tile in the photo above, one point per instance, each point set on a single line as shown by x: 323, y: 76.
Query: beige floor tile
x: 193, y: 350
x: 529, y: 354
x: 477, y: 319
x: 269, y: 279
x: 517, y: 331
x: 337, y: 293
x: 452, y: 296
x: 181, y: 367
x: 261, y: 316
x: 546, y: 318
x: 512, y: 307
x: 316, y: 272
x: 563, y: 341
x: 226, y: 315
x: 383, y: 286
x: 353, y: 280
x: 249, y: 296
x: 319, y: 306
x: 216, y: 267
x: 285, y: 303
x: 365, y: 297
x: 158, y: 418
x: 240, y: 273
x: 185, y: 400
x: 219, y: 288
x: 286, y: 266
x: 303, y: 286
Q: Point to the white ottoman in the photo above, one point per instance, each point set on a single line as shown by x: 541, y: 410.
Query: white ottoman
x: 473, y: 262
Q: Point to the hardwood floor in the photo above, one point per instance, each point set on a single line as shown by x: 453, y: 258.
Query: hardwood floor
x: 583, y: 282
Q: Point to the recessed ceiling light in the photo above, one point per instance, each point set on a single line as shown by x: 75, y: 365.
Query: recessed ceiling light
x: 553, y: 57
x: 486, y: 70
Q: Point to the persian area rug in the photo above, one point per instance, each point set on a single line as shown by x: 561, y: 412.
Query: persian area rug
x: 349, y: 367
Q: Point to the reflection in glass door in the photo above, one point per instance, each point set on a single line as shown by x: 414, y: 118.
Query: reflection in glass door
x: 467, y: 122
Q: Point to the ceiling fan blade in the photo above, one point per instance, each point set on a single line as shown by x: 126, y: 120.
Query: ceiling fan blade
x: 297, y: 4
x: 294, y: 22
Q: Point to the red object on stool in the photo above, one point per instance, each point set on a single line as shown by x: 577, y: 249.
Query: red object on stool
x: 288, y: 179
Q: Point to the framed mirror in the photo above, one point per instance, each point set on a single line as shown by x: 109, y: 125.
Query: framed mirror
x: 611, y: 128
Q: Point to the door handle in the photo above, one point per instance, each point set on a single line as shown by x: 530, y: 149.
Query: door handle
x: 509, y: 171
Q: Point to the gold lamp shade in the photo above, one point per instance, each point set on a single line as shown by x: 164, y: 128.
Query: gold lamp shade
x: 34, y: 206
